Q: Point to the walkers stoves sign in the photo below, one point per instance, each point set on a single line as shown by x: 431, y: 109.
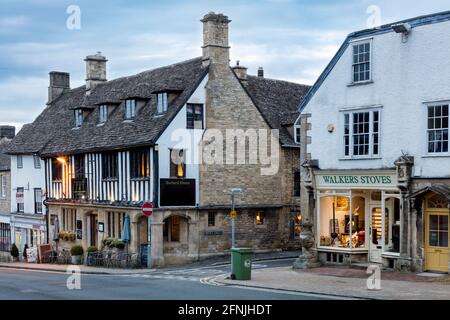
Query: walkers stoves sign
x: 348, y: 180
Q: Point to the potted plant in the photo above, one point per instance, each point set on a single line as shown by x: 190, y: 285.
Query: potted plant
x: 118, y: 244
x: 77, y: 254
x: 89, y: 260
x: 15, y: 252
x: 24, y: 254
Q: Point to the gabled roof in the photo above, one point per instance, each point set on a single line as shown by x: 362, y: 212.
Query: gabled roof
x: 53, y: 132
x: 5, y: 160
x: 414, y: 22
x: 277, y: 101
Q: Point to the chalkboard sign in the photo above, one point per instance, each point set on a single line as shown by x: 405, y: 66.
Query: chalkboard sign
x: 79, y: 234
x: 32, y: 254
x: 177, y: 192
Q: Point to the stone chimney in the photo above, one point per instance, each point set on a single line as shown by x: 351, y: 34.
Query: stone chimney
x: 95, y: 70
x: 215, y: 39
x: 240, y: 71
x: 7, y: 132
x: 59, y: 82
x: 260, y: 72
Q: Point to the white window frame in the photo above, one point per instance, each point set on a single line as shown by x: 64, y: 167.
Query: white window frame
x: 130, y: 109
x: 436, y: 104
x: 371, y: 133
x: 36, y: 161
x: 297, y: 136
x: 19, y: 161
x: 360, y: 42
x: 3, y: 186
x: 79, y: 117
x: 162, y: 102
x: 103, y: 113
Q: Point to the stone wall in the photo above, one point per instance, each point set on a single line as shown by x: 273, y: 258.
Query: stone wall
x: 5, y: 203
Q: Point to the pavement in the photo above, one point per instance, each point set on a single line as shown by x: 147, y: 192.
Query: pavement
x: 347, y: 282
x: 211, y: 262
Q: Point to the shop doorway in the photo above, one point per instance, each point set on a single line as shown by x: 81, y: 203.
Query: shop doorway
x: 436, y: 234
x: 375, y: 233
x: 92, y: 229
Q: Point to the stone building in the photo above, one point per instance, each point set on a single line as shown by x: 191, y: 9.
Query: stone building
x: 179, y: 136
x: 375, y: 157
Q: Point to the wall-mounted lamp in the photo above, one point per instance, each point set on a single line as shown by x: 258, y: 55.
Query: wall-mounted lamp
x: 403, y: 28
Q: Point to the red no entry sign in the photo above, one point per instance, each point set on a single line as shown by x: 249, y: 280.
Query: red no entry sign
x: 147, y: 209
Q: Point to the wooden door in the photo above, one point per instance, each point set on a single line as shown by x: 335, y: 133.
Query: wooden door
x: 93, y: 229
x: 436, y: 241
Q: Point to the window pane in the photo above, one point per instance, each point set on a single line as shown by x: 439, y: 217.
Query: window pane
x: 443, y: 223
x: 443, y: 239
x: 433, y: 240
x: 434, y: 222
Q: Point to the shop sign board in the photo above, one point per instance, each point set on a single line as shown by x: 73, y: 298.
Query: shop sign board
x: 32, y: 254
x: 361, y: 180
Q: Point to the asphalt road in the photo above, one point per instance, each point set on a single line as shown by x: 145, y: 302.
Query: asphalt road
x: 172, y: 284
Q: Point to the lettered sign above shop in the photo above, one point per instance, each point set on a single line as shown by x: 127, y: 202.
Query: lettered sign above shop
x: 369, y: 180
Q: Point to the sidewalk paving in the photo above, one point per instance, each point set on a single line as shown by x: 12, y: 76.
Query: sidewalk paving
x: 347, y: 282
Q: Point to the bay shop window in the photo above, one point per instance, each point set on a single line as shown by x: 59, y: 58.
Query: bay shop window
x: 359, y: 220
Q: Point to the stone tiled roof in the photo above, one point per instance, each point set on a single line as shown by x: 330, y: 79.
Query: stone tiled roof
x: 278, y: 101
x: 5, y: 160
x: 53, y: 132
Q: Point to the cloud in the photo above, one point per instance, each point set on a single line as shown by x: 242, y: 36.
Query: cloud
x: 13, y: 22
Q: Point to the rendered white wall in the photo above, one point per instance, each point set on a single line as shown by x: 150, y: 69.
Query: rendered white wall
x: 176, y: 136
x: 29, y: 178
x: 405, y: 76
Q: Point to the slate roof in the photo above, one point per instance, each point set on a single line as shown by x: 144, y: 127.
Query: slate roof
x: 5, y: 160
x: 278, y: 101
x: 53, y: 132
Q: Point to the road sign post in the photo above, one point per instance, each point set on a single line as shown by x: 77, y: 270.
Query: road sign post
x: 233, y: 215
x: 147, y: 210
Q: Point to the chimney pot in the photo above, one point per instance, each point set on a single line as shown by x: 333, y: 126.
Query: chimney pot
x: 240, y: 71
x: 260, y: 72
x: 59, y: 82
x: 95, y: 70
x: 215, y: 39
x: 7, y: 132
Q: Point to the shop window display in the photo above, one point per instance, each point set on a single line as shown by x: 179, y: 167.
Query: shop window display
x: 339, y: 228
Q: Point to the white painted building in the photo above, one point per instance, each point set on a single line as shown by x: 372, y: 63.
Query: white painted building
x: 378, y: 127
x: 28, y: 223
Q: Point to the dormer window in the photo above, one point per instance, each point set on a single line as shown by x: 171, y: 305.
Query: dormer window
x: 162, y: 102
x: 79, y: 117
x: 130, y: 109
x: 297, y: 133
x: 103, y: 115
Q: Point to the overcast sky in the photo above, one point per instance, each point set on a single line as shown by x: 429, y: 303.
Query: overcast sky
x: 291, y: 39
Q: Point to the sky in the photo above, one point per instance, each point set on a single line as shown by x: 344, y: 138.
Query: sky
x: 292, y: 39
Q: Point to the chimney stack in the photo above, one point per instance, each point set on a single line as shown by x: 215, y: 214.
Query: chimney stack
x: 260, y: 72
x: 95, y: 70
x: 7, y: 132
x: 59, y: 82
x: 240, y: 71
x: 215, y: 39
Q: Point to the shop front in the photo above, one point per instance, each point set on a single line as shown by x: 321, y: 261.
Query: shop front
x: 358, y: 216
x: 28, y: 230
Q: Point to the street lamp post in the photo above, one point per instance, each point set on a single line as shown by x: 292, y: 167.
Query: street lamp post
x: 233, y: 221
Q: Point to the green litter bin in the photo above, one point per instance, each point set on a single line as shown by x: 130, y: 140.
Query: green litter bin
x: 242, y: 263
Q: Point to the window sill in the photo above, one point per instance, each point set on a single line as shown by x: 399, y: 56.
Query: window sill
x: 346, y: 250
x: 365, y: 158
x: 101, y: 124
x: 443, y: 155
x: 110, y: 179
x: 354, y: 84
x: 128, y: 121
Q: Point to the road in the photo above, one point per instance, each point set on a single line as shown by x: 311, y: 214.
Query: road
x: 180, y: 283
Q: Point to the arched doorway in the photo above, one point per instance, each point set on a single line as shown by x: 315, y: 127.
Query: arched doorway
x: 175, y: 239
x: 436, y: 233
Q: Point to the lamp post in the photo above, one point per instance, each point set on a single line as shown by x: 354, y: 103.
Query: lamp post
x: 233, y: 220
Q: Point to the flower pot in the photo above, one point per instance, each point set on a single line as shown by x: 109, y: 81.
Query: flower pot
x: 76, y: 259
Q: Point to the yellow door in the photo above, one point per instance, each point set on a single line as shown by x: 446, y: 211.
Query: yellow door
x: 436, y: 241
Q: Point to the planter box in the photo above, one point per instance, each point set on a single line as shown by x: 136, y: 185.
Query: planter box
x: 77, y: 259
